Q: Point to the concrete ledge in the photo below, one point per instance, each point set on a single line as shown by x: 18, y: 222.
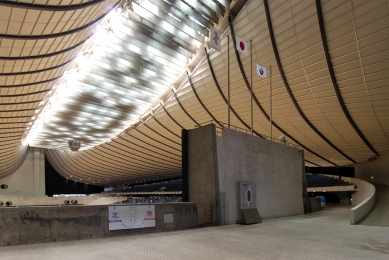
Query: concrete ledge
x: 363, y: 199
x: 360, y: 211
x: 29, y: 225
x: 332, y: 188
x: 31, y: 201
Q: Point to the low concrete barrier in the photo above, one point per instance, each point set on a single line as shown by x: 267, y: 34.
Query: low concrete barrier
x: 38, y: 201
x: 363, y: 199
x: 29, y: 225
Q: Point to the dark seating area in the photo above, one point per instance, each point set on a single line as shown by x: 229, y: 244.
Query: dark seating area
x: 174, y: 185
x: 316, y: 180
x: 150, y: 199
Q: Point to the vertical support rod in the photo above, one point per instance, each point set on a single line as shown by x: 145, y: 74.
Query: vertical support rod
x: 229, y: 104
x: 251, y: 85
x: 271, y: 109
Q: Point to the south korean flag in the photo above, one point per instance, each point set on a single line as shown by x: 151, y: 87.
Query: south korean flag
x: 261, y: 71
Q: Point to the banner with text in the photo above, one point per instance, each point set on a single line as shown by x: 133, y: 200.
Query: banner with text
x: 129, y: 217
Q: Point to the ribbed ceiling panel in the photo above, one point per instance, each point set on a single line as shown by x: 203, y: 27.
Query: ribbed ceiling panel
x: 151, y: 51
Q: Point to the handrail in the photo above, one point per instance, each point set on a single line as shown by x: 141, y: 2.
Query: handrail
x: 360, y: 211
x: 246, y: 131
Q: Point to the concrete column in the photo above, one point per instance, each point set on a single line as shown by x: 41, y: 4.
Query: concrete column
x: 203, y: 173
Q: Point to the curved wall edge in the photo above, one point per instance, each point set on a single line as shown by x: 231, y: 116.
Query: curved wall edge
x: 363, y: 200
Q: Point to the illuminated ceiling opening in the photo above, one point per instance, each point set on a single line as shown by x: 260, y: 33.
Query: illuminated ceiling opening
x: 133, y: 57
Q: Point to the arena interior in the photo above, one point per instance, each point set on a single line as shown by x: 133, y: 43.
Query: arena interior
x: 194, y: 129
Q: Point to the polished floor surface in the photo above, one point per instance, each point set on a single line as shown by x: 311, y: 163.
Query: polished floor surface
x: 322, y: 235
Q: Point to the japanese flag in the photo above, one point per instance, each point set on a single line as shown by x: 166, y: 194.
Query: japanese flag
x: 242, y: 45
x: 215, y: 39
x: 261, y: 71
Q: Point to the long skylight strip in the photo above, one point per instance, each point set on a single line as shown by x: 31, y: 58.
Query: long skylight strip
x: 147, y: 5
x: 147, y: 58
x: 142, y: 67
x: 159, y: 51
x: 93, y: 77
x: 132, y: 90
x: 130, y: 33
x: 164, y: 60
x: 127, y: 71
x: 106, y: 115
x: 141, y: 90
x: 166, y: 26
x: 120, y: 38
x: 149, y: 87
x: 118, y: 105
x: 132, y: 62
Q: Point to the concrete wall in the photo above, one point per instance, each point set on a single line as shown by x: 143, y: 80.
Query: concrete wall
x: 29, y: 179
x: 276, y: 169
x: 28, y: 225
x: 35, y: 201
x: 378, y: 169
x: 202, y: 176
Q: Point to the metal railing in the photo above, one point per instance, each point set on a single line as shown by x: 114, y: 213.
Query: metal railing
x: 219, y: 131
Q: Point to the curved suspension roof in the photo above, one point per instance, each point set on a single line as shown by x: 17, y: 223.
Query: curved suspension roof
x: 153, y: 76
x: 38, y: 42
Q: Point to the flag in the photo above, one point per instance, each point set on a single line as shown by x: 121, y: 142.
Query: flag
x: 215, y: 39
x: 242, y: 45
x: 261, y: 71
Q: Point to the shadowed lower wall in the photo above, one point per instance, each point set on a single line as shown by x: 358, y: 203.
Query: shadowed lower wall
x: 29, y: 225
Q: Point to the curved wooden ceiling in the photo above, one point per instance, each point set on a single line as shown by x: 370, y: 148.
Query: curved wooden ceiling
x: 330, y: 67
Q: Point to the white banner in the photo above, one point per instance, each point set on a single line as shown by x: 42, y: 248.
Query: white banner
x: 128, y: 217
x: 215, y: 39
x: 261, y: 71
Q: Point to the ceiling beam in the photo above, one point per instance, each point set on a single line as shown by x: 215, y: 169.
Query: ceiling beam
x: 183, y: 109
x: 334, y: 81
x: 164, y: 126
x: 167, y: 113
x: 257, y: 102
x: 201, y: 102
x: 53, y: 8
x: 37, y: 71
x: 56, y: 35
x: 286, y: 84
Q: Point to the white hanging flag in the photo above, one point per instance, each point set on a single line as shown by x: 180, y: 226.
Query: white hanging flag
x: 215, y: 39
x: 242, y: 45
x: 261, y: 71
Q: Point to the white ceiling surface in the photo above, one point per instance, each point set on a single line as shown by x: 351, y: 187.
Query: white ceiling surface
x: 35, y: 51
x: 357, y: 33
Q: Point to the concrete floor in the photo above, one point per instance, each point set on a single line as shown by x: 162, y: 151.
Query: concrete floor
x: 321, y: 235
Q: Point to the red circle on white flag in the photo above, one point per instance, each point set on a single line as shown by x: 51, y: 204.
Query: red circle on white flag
x: 241, y: 45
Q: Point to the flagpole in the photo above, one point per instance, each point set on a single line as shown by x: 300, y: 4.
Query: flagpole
x: 251, y: 84
x: 229, y: 105
x: 271, y: 110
